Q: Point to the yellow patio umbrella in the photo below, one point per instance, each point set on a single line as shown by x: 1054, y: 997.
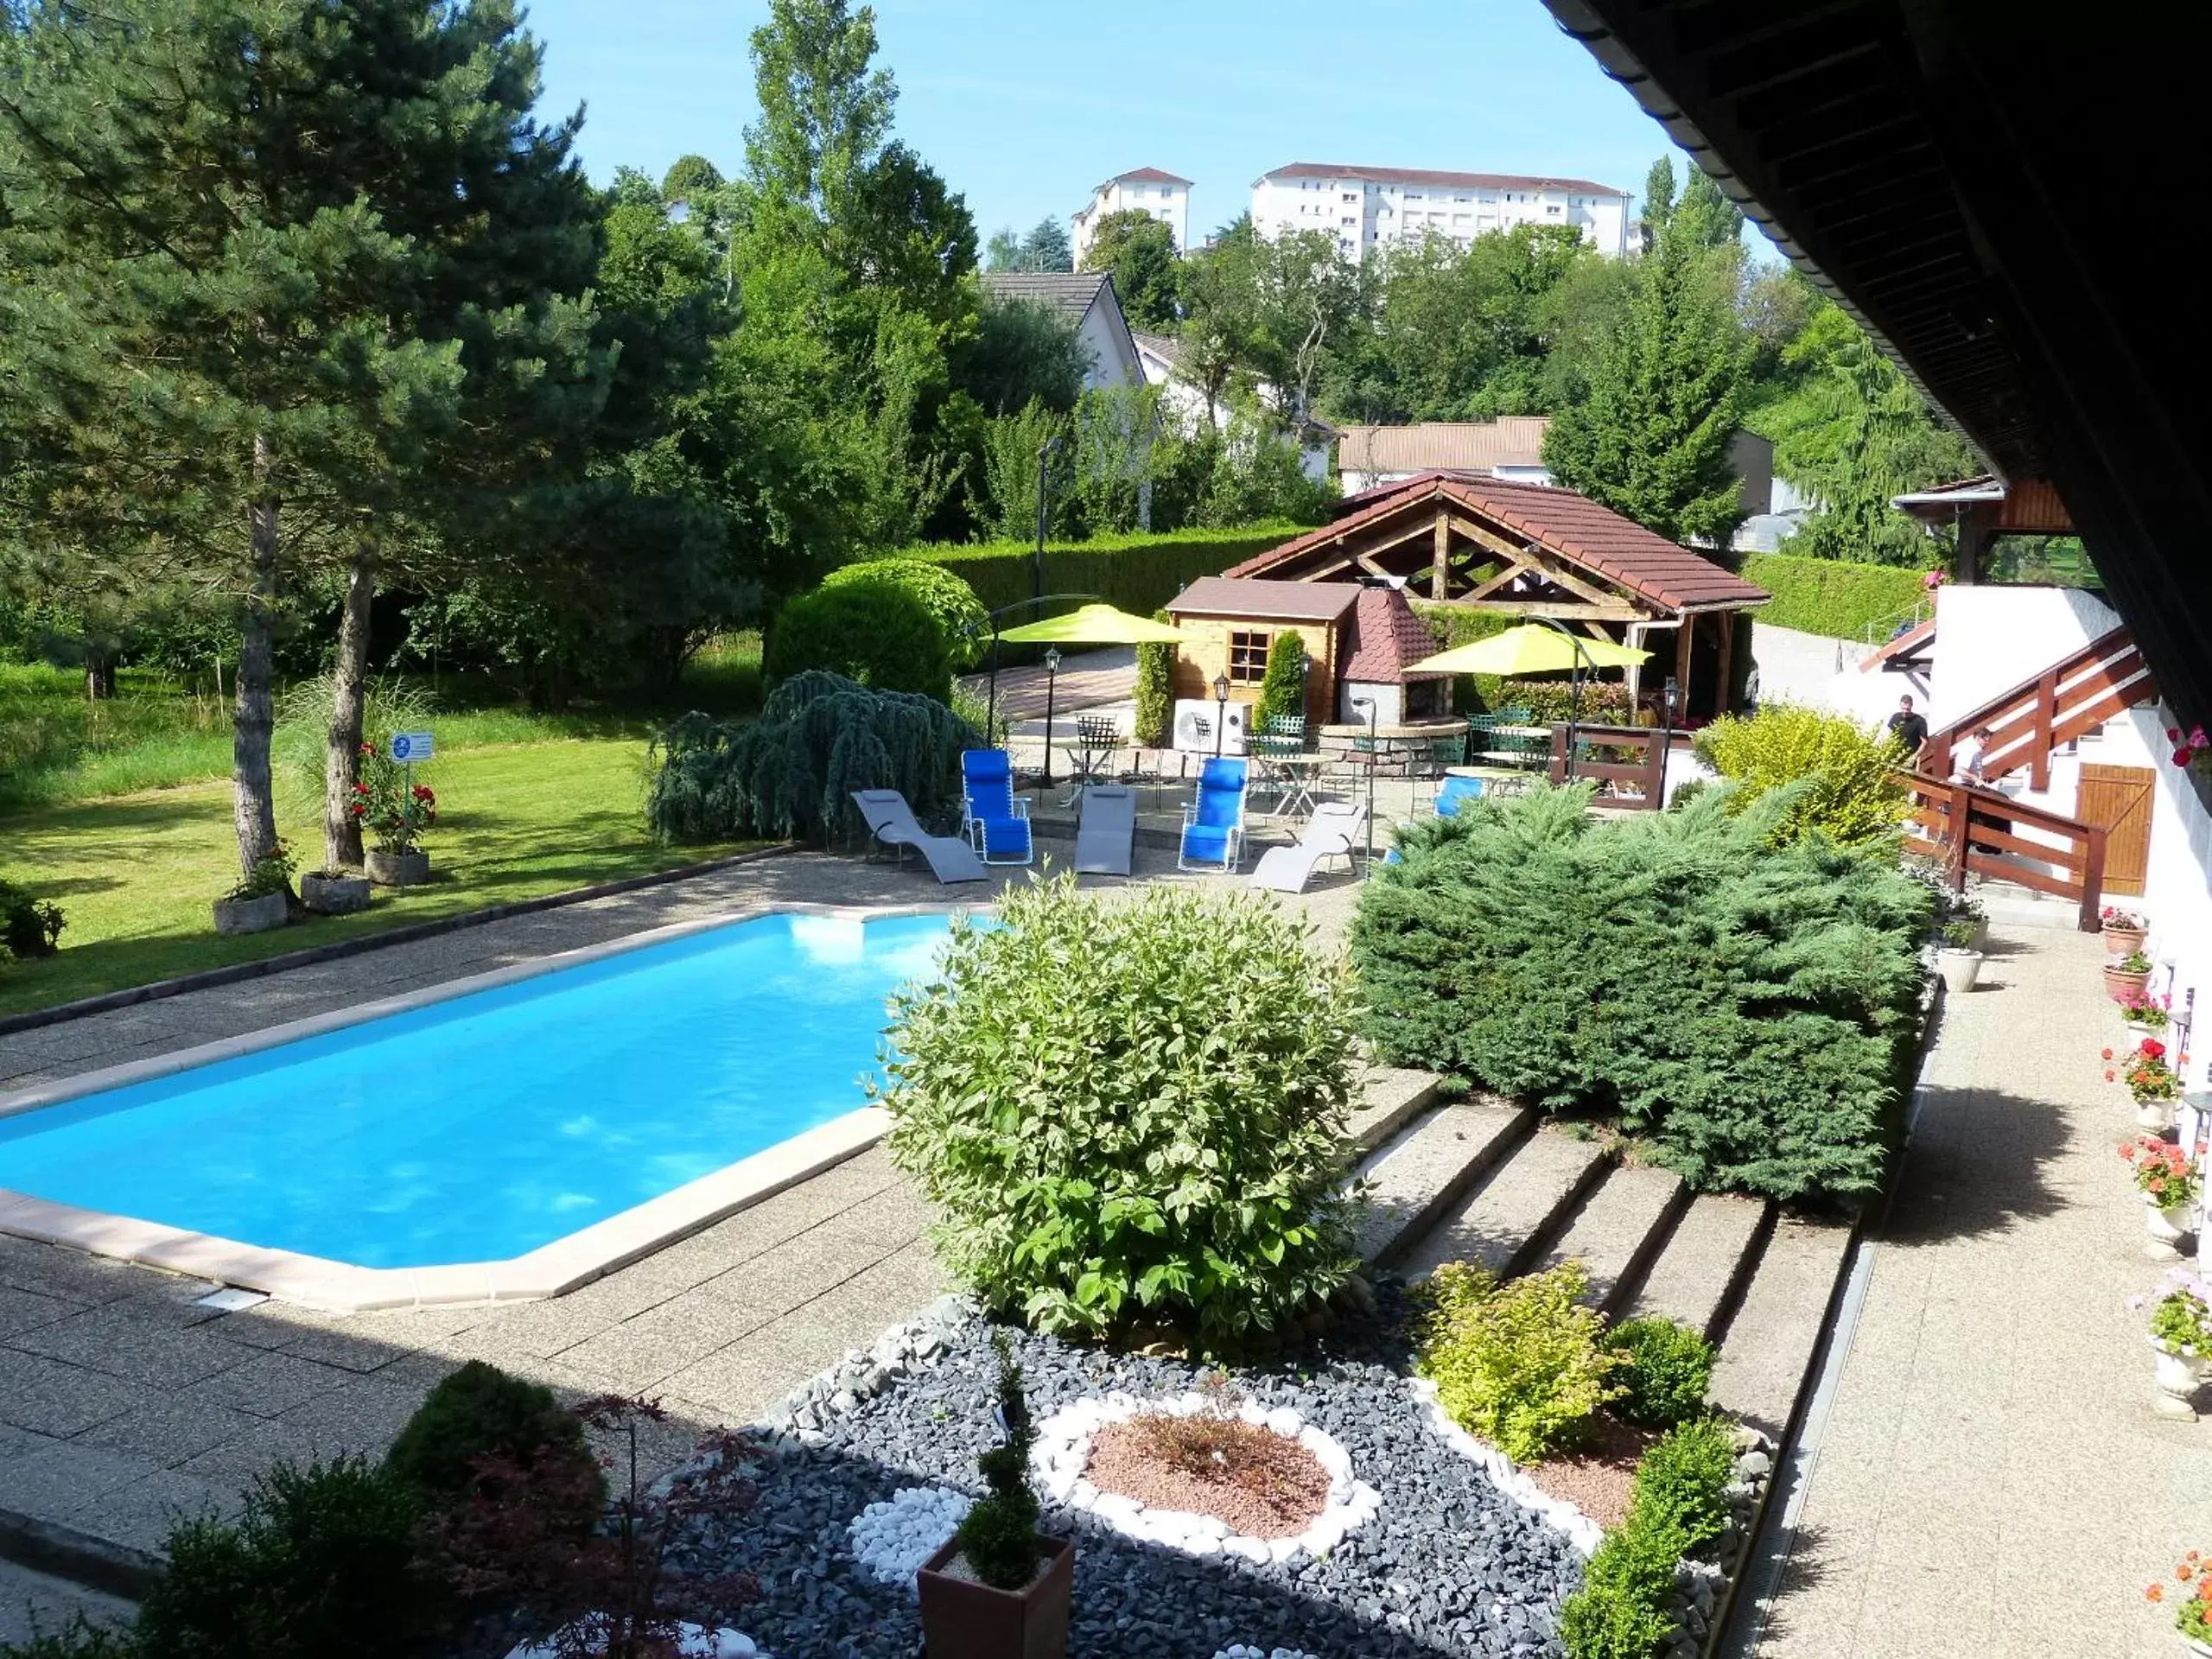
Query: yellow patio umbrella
x: 1093, y: 624
x: 1529, y: 649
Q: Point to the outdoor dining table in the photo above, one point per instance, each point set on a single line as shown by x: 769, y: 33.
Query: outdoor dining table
x: 1096, y: 743
x: 1293, y: 777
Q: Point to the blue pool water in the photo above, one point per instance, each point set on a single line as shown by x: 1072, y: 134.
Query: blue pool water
x: 486, y: 1125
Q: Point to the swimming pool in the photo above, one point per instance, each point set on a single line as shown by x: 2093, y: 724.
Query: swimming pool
x: 479, y: 1127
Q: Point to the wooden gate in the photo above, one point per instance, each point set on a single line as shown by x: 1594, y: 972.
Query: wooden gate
x: 2118, y: 799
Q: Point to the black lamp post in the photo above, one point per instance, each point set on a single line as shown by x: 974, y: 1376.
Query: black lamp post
x: 1220, y: 712
x: 1668, y: 699
x: 1366, y: 705
x: 1052, y: 681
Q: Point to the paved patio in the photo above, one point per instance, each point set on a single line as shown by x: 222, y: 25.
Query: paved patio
x: 1991, y: 1481
x: 122, y: 1403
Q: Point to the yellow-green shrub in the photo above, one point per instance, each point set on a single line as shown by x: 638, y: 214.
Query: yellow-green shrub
x: 1847, y: 792
x: 1521, y: 1365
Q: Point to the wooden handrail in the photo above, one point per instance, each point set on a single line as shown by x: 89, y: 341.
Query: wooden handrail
x: 1946, y: 811
x: 1649, y: 772
x: 2055, y: 706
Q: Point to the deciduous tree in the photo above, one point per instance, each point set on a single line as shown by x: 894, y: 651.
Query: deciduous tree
x: 1138, y: 251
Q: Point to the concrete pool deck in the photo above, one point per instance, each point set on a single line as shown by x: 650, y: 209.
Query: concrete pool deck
x: 123, y: 1401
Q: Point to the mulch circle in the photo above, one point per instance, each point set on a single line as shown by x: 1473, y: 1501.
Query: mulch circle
x: 1598, y: 1476
x: 1255, y: 1481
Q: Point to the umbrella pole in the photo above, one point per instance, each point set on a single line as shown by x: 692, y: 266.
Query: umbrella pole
x: 991, y: 706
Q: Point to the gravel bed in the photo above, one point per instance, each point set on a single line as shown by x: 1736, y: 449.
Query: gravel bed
x: 1450, y: 1566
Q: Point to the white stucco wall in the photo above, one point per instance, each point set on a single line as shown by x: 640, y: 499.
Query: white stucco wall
x: 1112, y: 356
x: 1819, y: 672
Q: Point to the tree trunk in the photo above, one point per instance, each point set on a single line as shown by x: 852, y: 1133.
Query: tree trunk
x: 253, y: 806
x: 341, y: 766
x: 99, y: 677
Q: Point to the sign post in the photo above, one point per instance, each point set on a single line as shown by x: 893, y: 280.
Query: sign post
x: 408, y: 747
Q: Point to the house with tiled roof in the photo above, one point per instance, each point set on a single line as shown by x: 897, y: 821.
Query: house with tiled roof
x: 1087, y: 299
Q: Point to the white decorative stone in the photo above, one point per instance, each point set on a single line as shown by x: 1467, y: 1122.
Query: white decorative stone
x: 1062, y: 1450
x: 692, y: 1642
x: 1581, y: 1531
x: 893, y: 1539
x: 1242, y: 1650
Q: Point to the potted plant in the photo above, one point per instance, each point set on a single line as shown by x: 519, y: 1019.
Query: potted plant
x: 2154, y: 1083
x: 1000, y: 1589
x: 2146, y: 1012
x: 2170, y: 1187
x: 2126, y: 976
x: 2181, y: 1337
x: 2192, y: 1588
x: 1957, y: 959
x: 334, y: 892
x: 1964, y: 908
x: 263, y: 900
x: 397, y: 813
x: 2123, y: 930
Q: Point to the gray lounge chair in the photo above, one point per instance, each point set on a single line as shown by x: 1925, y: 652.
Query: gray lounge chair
x: 1107, y: 830
x: 891, y: 821
x: 1333, y: 832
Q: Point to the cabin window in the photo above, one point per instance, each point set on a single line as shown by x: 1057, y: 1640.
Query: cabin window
x: 1248, y: 657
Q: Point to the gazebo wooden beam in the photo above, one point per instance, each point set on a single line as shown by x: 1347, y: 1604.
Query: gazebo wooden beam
x: 1560, y: 608
x: 1533, y: 556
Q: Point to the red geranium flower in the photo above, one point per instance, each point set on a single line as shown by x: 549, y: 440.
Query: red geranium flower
x: 2107, y: 1054
x: 2152, y: 1049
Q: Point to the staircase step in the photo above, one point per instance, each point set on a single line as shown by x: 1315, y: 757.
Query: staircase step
x: 1420, y: 1175
x: 1390, y: 1098
x: 1711, y: 1252
x: 1767, y: 1355
x: 1497, y: 1226
x: 1619, y: 1228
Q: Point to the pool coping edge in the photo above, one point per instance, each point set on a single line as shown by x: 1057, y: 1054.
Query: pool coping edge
x: 558, y: 1266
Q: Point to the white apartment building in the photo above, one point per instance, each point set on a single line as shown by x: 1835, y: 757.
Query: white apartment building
x: 1148, y: 190
x: 1367, y: 208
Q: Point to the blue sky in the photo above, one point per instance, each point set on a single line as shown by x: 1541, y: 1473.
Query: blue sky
x: 1023, y: 105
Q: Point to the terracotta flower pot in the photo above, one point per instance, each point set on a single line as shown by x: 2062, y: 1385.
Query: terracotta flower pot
x: 398, y: 869
x: 2120, y: 984
x: 965, y: 1618
x: 2123, y: 941
x: 334, y: 895
x: 234, y: 916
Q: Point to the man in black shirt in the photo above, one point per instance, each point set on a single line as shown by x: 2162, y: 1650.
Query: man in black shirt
x: 1908, y: 728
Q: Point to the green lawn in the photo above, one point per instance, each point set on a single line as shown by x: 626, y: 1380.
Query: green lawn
x: 135, y: 873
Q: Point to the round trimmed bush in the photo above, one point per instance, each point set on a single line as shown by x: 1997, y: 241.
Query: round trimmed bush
x: 960, y: 615
x: 876, y: 632
x: 1666, y: 1369
x: 1518, y: 1363
x: 1131, y: 1116
x: 481, y: 1413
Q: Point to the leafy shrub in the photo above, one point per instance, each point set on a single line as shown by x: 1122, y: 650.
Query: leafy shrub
x: 1131, y: 1113
x: 1836, y: 597
x: 1156, y: 696
x: 1518, y: 1364
x: 1842, y: 770
x: 1604, y: 702
x: 878, y: 633
x: 959, y: 614
x: 479, y: 1414
x: 29, y: 926
x: 270, y: 874
x: 78, y: 1639
x: 323, y: 1563
x: 1666, y: 1370
x: 1139, y: 573
x: 1752, y: 1008
x: 790, y: 773
x: 1681, y: 1482
x: 1282, y: 689
x: 1623, y: 1610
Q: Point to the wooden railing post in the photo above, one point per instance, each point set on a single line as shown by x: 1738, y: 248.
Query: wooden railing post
x: 2092, y: 878
x: 1655, y: 772
x: 2046, y: 712
x: 1959, y: 794
x: 1558, y: 754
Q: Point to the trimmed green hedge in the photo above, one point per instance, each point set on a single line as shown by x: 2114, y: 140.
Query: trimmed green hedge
x: 1833, y: 596
x: 1139, y: 574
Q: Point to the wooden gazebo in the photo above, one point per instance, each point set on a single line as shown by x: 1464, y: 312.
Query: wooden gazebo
x: 1532, y: 550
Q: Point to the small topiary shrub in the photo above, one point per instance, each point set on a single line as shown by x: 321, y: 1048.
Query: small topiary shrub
x: 959, y: 614
x: 323, y: 1563
x: 1156, y: 696
x: 1681, y: 1482
x: 999, y: 1535
x: 1131, y: 1113
x: 1518, y: 1364
x: 29, y: 926
x: 1841, y: 771
x: 1666, y: 1369
x: 881, y: 635
x: 1624, y: 1608
x: 1282, y: 689
x: 480, y: 1414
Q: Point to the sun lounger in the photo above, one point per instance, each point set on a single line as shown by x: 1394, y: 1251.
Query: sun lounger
x: 891, y: 821
x: 1333, y: 832
x: 1213, y: 824
x: 997, y: 820
x: 1106, y: 831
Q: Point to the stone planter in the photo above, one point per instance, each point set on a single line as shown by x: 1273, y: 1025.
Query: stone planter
x: 235, y: 916
x: 2123, y: 941
x: 2156, y: 1115
x: 2178, y: 1375
x: 2201, y: 1649
x: 2123, y: 986
x: 398, y: 869
x: 1959, y: 969
x: 338, y: 895
x: 965, y: 1617
x: 2165, y: 1230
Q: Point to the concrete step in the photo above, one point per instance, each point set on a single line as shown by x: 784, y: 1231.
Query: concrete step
x: 2013, y: 905
x: 1421, y: 1173
x: 1390, y: 1098
x: 1697, y: 1273
x: 1766, y: 1355
x: 1619, y: 1228
x: 1501, y: 1224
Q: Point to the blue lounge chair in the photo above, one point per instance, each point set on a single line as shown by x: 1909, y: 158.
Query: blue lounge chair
x: 1453, y: 791
x: 997, y: 824
x: 1213, y: 824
